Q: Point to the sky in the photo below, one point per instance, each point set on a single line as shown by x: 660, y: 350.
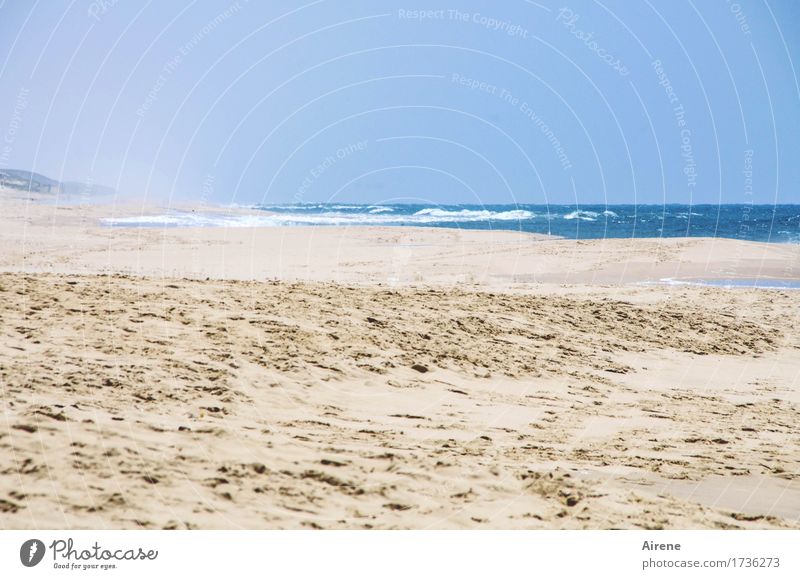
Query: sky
x: 569, y: 102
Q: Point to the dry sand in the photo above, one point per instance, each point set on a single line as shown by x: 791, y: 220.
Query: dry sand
x: 389, y: 378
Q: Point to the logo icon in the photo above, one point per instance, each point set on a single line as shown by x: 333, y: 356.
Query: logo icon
x: 32, y: 552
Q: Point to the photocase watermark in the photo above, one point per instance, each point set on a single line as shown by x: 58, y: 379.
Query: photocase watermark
x: 548, y: 133
x: 741, y: 17
x: 569, y: 18
x: 174, y: 63
x: 100, y: 7
x: 320, y: 169
x: 65, y: 555
x: 474, y: 84
x: 207, y: 188
x: 10, y: 135
x: 31, y: 552
x: 747, y: 173
x: 453, y: 14
x: 687, y: 154
x: 85, y: 196
x: 522, y: 106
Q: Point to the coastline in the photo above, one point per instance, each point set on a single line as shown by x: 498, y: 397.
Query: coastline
x: 70, y: 239
x: 384, y: 377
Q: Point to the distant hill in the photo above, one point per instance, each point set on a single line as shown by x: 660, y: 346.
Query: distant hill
x: 36, y: 183
x: 27, y: 180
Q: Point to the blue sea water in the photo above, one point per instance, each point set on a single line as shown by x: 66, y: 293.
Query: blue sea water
x: 769, y: 223
x: 734, y: 282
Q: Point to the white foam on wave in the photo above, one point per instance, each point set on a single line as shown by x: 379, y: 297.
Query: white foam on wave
x: 380, y: 209
x: 296, y: 206
x: 191, y: 220
x: 422, y: 217
x: 582, y: 215
x: 444, y: 215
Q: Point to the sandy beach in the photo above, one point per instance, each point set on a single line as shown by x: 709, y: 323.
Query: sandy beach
x: 378, y: 377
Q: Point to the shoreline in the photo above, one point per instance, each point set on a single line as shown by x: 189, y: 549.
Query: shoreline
x: 66, y: 239
x: 187, y: 215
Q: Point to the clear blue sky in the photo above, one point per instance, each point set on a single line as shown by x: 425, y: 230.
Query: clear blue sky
x: 471, y: 102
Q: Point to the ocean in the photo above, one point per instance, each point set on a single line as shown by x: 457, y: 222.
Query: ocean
x: 768, y: 223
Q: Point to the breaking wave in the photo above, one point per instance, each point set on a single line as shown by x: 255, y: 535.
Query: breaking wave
x: 779, y: 223
x: 376, y: 216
